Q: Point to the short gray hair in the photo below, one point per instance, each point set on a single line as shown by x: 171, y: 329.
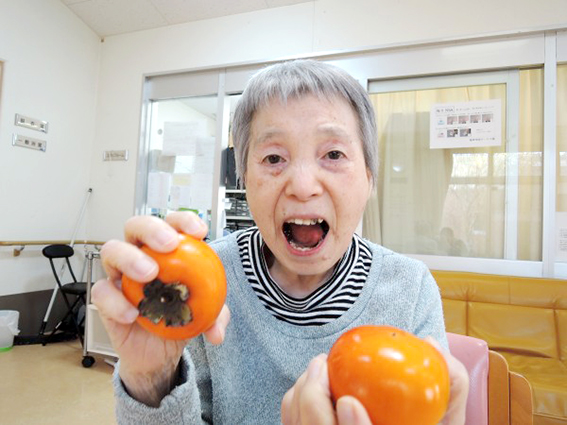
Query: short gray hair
x: 296, y: 78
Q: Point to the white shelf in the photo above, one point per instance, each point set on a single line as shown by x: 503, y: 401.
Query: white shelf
x: 235, y: 191
x: 239, y: 218
x: 97, y: 339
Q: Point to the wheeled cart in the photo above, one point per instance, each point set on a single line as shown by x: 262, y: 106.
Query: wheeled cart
x: 96, y: 339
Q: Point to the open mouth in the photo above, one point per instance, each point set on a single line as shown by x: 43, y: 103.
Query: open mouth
x: 305, y: 234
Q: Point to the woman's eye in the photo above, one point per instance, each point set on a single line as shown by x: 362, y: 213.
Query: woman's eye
x: 334, y: 155
x: 273, y: 159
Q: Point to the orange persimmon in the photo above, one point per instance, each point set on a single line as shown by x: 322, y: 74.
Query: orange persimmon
x: 399, y: 378
x: 188, y: 294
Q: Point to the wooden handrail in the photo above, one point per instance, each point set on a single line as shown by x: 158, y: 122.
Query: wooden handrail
x: 22, y: 244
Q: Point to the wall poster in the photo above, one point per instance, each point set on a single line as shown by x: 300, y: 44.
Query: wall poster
x: 466, y: 124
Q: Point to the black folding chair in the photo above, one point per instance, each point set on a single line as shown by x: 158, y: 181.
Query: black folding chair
x: 69, y: 290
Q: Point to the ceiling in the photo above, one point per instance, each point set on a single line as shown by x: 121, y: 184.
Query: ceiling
x: 111, y: 17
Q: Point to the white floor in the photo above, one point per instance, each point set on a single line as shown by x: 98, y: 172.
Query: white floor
x: 48, y: 385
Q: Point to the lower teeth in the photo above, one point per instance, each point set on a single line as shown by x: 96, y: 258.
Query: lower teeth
x: 303, y: 248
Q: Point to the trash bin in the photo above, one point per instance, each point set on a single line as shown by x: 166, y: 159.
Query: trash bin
x: 8, y: 328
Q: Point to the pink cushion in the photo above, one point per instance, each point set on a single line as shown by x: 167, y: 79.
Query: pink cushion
x: 473, y: 354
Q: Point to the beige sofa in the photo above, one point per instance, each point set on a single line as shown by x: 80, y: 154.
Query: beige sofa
x: 525, y: 320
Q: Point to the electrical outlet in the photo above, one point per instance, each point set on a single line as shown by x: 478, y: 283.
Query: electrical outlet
x: 115, y: 156
x: 29, y: 142
x: 31, y: 123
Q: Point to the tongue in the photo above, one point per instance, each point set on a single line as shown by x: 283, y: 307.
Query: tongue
x: 306, y: 236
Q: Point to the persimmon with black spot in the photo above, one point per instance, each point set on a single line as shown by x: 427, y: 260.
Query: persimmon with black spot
x: 187, y: 295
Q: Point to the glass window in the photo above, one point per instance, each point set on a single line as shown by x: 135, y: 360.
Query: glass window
x: 1, y: 65
x: 181, y: 156
x: 477, y: 201
x: 237, y: 214
x: 561, y: 200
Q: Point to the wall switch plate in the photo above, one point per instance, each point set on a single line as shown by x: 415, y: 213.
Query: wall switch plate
x: 29, y: 142
x: 115, y: 155
x: 31, y: 123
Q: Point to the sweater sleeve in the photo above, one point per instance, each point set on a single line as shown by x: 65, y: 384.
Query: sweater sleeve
x: 428, y: 315
x: 181, y: 406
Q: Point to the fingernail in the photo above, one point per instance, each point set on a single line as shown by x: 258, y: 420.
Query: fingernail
x: 345, y: 411
x: 144, y: 267
x: 194, y: 226
x: 131, y: 315
x: 165, y: 237
x: 314, y: 369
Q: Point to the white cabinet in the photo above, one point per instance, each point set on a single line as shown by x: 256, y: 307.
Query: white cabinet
x: 96, y: 339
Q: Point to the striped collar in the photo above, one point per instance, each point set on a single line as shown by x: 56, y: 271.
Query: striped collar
x: 326, y: 303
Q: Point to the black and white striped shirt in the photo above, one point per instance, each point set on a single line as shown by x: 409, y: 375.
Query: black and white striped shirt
x: 326, y: 303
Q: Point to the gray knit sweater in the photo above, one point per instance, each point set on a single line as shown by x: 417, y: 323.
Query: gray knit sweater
x: 243, y: 380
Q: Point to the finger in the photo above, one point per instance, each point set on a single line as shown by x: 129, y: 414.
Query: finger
x: 457, y: 371
x: 350, y: 411
x: 459, y: 381
x: 459, y: 377
x: 111, y: 303
x: 124, y: 258
x: 287, y: 401
x: 151, y: 231
x: 215, y: 334
x: 315, y: 403
x: 295, y: 413
x: 188, y: 222
x: 435, y: 343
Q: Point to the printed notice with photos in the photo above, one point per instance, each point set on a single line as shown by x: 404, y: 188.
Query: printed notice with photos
x: 466, y: 125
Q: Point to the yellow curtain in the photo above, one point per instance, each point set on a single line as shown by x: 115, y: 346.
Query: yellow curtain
x: 530, y: 195
x: 452, y: 201
x: 562, y: 138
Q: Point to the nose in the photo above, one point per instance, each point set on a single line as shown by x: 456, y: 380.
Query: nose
x: 304, y: 181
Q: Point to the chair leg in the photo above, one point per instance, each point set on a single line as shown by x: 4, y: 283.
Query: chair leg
x: 74, y: 319
x: 71, y: 314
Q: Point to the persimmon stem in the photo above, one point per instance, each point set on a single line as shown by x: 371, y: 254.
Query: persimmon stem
x: 166, y: 301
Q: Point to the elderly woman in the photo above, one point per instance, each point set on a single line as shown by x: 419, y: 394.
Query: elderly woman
x: 306, y: 149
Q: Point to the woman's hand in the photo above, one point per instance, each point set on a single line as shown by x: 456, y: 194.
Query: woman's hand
x: 148, y: 363
x: 459, y: 377
x: 309, y: 401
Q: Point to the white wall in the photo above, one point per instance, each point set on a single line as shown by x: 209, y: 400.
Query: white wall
x: 303, y: 29
x: 51, y: 61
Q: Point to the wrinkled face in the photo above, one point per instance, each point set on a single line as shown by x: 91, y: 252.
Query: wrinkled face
x: 306, y: 182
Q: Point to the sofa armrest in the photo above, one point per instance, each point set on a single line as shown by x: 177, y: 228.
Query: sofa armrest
x: 473, y: 354
x: 521, y: 402
x: 498, y: 389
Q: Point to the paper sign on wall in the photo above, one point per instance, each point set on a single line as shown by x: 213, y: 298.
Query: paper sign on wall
x: 181, y: 138
x: 205, y: 160
x: 193, y: 190
x: 158, y: 189
x: 202, y: 190
x: 180, y: 191
x: 466, y: 125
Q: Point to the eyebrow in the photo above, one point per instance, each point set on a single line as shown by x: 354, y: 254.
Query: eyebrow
x: 267, y: 135
x: 334, y: 130
x: 327, y: 129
